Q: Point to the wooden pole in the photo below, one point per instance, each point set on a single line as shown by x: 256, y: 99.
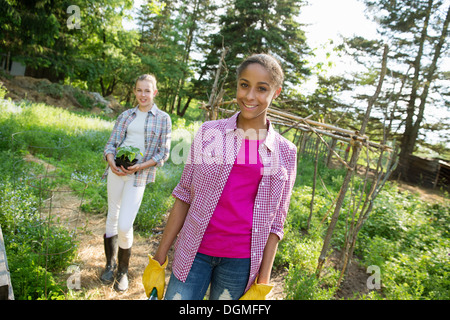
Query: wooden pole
x: 311, y: 204
x: 350, y: 167
x: 212, y: 98
x: 277, y: 117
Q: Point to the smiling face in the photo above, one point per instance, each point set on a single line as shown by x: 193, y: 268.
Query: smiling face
x: 145, y: 92
x: 255, y: 92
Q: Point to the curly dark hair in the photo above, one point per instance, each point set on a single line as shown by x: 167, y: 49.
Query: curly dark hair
x: 270, y: 63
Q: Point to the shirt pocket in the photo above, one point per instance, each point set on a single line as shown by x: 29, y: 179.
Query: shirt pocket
x: 279, y: 175
x: 209, y: 165
x: 152, y: 137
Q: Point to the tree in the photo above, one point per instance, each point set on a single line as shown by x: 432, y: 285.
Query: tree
x: 105, y: 54
x: 170, y: 33
x: 35, y: 33
x: 98, y: 54
x: 249, y: 26
x: 416, y: 32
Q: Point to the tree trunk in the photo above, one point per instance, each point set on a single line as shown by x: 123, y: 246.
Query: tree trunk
x: 412, y: 127
x: 311, y: 204
x: 351, y: 168
x: 187, y: 53
x: 186, y: 105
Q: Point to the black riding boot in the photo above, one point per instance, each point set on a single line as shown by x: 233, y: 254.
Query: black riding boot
x: 110, y: 245
x: 121, y: 283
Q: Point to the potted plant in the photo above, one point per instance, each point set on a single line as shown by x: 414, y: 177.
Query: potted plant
x: 126, y: 156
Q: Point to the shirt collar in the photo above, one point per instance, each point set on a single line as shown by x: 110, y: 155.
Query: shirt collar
x: 153, y: 110
x: 231, y: 126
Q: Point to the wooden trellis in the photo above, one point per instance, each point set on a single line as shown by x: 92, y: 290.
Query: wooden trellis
x: 362, y: 200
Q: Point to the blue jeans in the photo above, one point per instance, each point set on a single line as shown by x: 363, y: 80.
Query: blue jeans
x: 228, y: 278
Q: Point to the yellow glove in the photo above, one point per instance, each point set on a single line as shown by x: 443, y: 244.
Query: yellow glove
x: 154, y: 276
x: 257, y: 291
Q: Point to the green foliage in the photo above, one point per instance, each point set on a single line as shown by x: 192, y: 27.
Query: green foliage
x: 407, y: 238
x: 249, y: 26
x: 35, y: 248
x: 304, y: 286
x: 3, y: 91
x: 84, y: 100
x: 54, y: 90
x: 128, y: 152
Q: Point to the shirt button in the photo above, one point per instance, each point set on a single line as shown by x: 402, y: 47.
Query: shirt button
x: 262, y: 184
x: 257, y: 206
x: 256, y: 229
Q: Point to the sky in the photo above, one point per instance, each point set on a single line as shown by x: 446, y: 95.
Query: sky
x: 328, y: 19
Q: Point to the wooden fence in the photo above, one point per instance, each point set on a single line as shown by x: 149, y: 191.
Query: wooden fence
x: 430, y: 173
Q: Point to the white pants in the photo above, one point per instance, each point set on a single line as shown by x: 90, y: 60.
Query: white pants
x: 124, y: 201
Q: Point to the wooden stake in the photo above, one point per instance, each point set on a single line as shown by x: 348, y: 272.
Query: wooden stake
x: 350, y: 171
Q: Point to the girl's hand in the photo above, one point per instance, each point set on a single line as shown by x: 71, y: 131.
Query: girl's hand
x: 132, y: 169
x: 112, y: 165
x: 257, y: 291
x: 116, y: 170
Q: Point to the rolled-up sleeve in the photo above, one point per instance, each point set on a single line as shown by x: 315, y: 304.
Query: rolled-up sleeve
x: 183, y: 190
x: 164, y: 144
x: 115, y: 137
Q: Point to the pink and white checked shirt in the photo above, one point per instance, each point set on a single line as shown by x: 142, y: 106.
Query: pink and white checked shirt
x: 209, y: 163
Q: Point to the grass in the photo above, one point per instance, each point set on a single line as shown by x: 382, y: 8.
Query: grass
x: 408, y: 239
x: 405, y: 237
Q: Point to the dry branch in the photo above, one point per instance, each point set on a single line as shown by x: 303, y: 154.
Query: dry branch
x: 348, y: 176
x: 305, y: 124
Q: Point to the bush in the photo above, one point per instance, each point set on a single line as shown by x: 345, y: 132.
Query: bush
x: 408, y: 239
x: 35, y: 248
x: 301, y: 285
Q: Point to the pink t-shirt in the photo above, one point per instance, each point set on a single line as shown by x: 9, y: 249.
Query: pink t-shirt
x: 229, y: 231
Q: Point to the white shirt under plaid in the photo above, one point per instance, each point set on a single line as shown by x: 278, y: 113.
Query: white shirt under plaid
x: 157, y: 134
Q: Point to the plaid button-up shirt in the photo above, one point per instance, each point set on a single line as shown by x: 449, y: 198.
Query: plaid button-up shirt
x: 209, y: 163
x: 157, y: 131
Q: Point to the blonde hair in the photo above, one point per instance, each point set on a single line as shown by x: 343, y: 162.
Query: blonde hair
x: 146, y: 77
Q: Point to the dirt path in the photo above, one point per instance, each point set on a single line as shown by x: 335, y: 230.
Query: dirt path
x: 91, y: 260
